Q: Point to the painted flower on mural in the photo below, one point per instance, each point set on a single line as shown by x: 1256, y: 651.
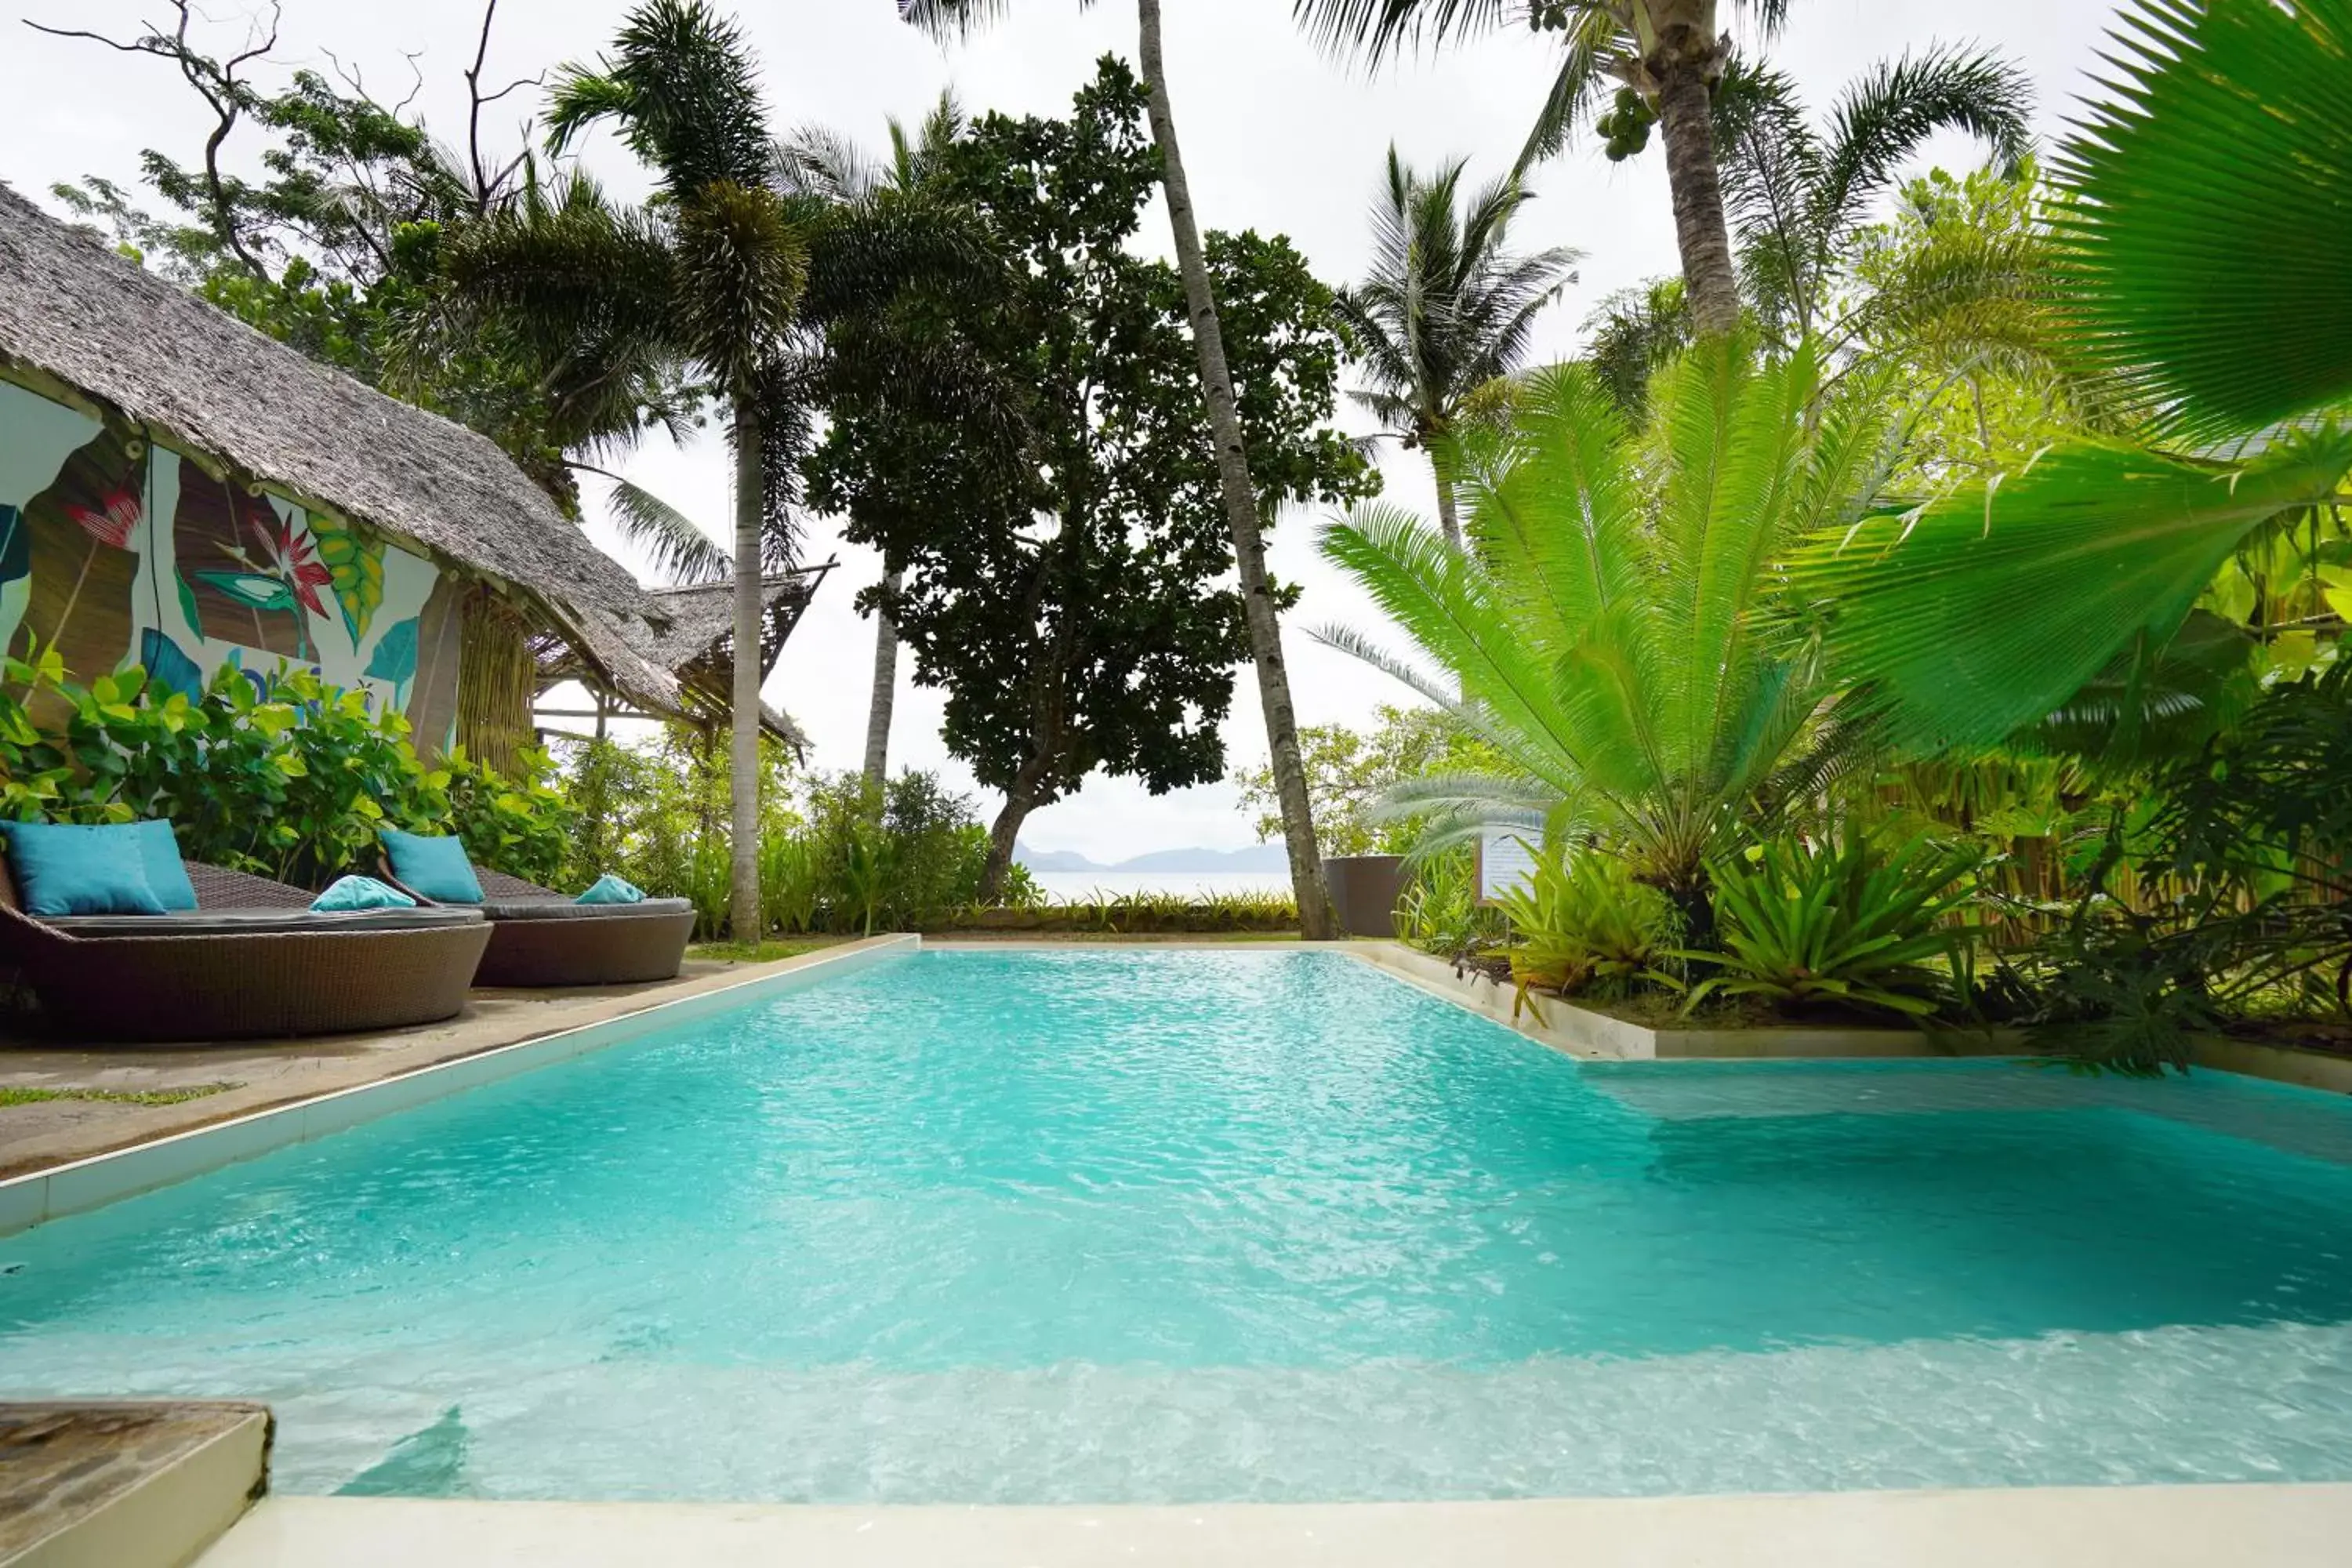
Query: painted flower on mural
x: 114, y: 521
x: 293, y: 559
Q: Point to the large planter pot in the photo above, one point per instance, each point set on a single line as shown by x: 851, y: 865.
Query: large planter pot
x: 1364, y: 891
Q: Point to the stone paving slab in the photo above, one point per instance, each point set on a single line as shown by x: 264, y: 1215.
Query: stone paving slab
x: 69, y: 1474
x: 267, y: 1073
x: 2098, y: 1527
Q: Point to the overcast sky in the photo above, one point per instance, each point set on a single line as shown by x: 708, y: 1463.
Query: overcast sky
x: 1277, y: 137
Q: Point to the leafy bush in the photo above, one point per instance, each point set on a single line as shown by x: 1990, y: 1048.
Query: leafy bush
x: 275, y: 774
x: 1439, y: 911
x: 1582, y: 923
x: 1803, y: 926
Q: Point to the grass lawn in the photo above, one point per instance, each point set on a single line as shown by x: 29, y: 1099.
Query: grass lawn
x: 112, y: 1096
x: 765, y: 952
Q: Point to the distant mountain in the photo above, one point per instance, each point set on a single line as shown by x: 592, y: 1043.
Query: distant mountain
x: 1256, y: 857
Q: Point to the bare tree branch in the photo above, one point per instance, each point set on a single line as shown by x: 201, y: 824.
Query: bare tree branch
x: 218, y: 83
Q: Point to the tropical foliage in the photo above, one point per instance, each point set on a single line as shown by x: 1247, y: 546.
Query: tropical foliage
x: 1607, y: 625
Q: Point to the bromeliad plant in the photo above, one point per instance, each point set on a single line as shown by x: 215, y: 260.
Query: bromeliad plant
x: 1805, y: 925
x: 1582, y: 923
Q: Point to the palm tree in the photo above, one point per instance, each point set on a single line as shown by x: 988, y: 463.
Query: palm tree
x: 1667, y: 53
x: 1798, y: 196
x: 820, y: 163
x: 2205, y: 264
x: 708, y: 276
x: 1241, y: 495
x: 1609, y: 628
x: 1446, y: 310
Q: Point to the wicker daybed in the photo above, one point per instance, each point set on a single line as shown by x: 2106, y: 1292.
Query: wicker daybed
x: 541, y: 937
x: 250, y: 960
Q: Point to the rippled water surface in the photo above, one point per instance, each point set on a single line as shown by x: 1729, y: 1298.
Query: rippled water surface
x: 1156, y: 1226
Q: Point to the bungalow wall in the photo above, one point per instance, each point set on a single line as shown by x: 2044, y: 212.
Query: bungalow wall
x: 120, y: 552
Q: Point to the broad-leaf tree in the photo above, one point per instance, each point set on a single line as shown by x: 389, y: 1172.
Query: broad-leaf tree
x: 1446, y: 308
x: 2206, y: 265
x: 1243, y: 488
x: 1609, y: 629
x: 1065, y: 586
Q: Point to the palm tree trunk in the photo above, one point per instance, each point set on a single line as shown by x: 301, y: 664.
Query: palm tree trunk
x: 1241, y: 503
x: 886, y: 688
x: 1448, y: 518
x: 1683, y: 64
x: 743, y: 907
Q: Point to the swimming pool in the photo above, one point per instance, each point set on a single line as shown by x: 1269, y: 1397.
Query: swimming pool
x: 1191, y: 1226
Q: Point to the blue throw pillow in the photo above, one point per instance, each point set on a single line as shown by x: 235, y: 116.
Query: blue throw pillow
x: 361, y: 893
x: 612, y: 889
x: 159, y: 849
x: 433, y: 867
x: 67, y: 870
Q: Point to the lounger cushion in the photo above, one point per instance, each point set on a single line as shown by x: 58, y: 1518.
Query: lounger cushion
x: 64, y: 870
x: 566, y: 910
x: 167, y: 874
x: 433, y: 866
x: 257, y: 922
x: 611, y: 889
x: 361, y: 893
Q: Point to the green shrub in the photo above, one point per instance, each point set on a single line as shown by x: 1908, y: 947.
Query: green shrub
x: 1804, y: 926
x: 275, y: 774
x: 1439, y: 910
x: 1580, y: 922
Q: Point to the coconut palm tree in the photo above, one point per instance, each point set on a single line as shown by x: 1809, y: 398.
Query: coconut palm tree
x: 1241, y: 495
x: 1667, y: 54
x: 829, y: 167
x: 2206, y: 265
x: 1607, y: 631
x: 1446, y: 308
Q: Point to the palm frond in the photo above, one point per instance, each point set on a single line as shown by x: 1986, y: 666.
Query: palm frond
x: 2209, y: 251
x: 679, y: 551
x: 1971, y: 616
x: 1379, y: 30
x: 1890, y: 112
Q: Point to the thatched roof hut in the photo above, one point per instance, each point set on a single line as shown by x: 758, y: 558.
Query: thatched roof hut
x: 86, y: 326
x: 690, y: 632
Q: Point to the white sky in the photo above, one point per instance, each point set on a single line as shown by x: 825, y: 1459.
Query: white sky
x: 1277, y: 137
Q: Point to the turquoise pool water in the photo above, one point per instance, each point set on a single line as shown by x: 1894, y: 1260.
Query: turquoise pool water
x: 1152, y: 1227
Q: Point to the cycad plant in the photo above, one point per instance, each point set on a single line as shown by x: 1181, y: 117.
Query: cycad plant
x: 1610, y: 626
x: 1446, y: 308
x: 2207, y: 266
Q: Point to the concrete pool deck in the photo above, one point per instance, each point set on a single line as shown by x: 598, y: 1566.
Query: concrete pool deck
x: 2124, y: 1527
x: 267, y: 1073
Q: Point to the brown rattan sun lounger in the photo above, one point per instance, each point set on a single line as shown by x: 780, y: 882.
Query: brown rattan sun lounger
x: 250, y: 960
x: 541, y: 937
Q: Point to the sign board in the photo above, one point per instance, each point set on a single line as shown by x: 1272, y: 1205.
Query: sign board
x: 1504, y: 861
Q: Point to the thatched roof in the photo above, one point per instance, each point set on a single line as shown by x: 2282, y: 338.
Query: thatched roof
x: 690, y: 631
x: 203, y: 382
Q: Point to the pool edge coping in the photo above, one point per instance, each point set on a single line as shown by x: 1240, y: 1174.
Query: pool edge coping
x: 76, y: 1186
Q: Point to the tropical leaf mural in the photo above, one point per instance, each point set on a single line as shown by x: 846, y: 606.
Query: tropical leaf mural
x: 16, y: 571
x: 394, y: 661
x: 80, y: 559
x: 222, y: 538
x: 167, y: 664
x: 354, y: 563
x: 251, y: 589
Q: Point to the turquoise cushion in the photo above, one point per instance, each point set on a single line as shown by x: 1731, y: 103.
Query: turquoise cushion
x: 433, y: 867
x: 67, y: 870
x: 158, y: 846
x: 611, y: 889
x: 361, y: 893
